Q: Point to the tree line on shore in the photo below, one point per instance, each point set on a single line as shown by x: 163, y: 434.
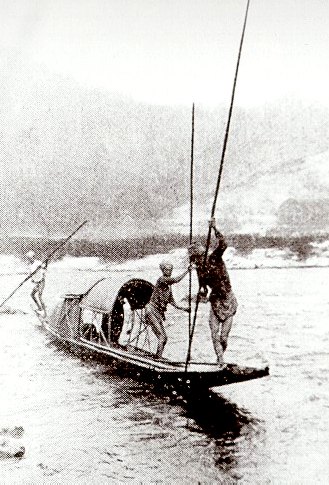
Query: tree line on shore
x: 118, y: 250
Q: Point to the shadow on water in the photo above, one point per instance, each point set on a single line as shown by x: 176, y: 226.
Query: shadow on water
x: 218, y: 424
x: 217, y: 416
x: 225, y: 423
x: 208, y: 418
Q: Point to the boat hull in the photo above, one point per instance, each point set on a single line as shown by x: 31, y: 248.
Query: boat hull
x: 173, y: 376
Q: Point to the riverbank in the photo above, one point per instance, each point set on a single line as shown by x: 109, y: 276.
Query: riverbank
x: 95, y: 260
x: 297, y: 248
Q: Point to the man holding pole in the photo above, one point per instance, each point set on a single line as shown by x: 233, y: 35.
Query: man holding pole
x: 212, y: 273
x: 38, y: 273
x: 43, y: 266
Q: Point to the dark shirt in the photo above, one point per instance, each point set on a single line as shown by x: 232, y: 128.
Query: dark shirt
x: 215, y: 274
x: 162, y: 293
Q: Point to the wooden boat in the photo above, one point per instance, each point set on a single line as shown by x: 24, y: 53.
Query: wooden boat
x: 107, y: 322
x: 96, y: 321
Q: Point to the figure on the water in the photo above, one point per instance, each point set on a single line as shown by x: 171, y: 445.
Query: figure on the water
x: 37, y: 271
x: 10, y: 444
x: 161, y: 296
x: 213, y: 274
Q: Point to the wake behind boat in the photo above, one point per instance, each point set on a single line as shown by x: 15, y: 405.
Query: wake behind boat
x: 108, y: 322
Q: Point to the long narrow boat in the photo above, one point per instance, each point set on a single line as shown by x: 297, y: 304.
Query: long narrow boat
x: 107, y: 322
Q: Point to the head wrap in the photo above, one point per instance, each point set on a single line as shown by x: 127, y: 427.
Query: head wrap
x: 166, y: 264
x: 30, y: 254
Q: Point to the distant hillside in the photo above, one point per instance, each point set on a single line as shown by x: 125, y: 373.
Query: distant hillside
x: 69, y: 154
x: 292, y: 198
x: 288, y: 198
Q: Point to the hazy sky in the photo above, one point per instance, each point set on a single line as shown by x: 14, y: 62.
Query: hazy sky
x: 175, y: 51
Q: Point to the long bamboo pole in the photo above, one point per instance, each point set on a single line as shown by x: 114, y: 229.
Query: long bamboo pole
x: 191, y: 218
x: 43, y: 262
x: 221, y: 165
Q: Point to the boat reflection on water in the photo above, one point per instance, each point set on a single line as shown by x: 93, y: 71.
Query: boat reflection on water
x: 226, y: 425
x: 213, y: 425
x: 217, y: 416
x: 139, y: 427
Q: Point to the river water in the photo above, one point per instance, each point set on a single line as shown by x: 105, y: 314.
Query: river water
x: 84, y: 423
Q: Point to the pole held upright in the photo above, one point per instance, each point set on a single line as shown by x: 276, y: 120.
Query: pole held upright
x: 221, y: 165
x: 191, y: 217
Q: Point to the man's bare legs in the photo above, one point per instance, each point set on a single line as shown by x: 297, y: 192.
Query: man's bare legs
x: 36, y: 295
x: 219, y: 333
x: 153, y: 318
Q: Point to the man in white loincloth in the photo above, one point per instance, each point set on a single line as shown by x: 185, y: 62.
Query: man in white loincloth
x: 213, y: 274
x: 161, y: 296
x: 38, y: 274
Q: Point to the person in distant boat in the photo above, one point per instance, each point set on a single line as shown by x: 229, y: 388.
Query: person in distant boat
x: 213, y: 274
x: 161, y: 296
x: 38, y: 274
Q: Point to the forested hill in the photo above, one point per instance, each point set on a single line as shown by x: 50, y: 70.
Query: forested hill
x: 69, y: 153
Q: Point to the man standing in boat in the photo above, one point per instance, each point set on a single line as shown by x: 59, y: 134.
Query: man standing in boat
x: 161, y: 296
x: 212, y: 273
x: 38, y: 273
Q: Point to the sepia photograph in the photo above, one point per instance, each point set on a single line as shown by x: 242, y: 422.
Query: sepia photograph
x: 164, y: 242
